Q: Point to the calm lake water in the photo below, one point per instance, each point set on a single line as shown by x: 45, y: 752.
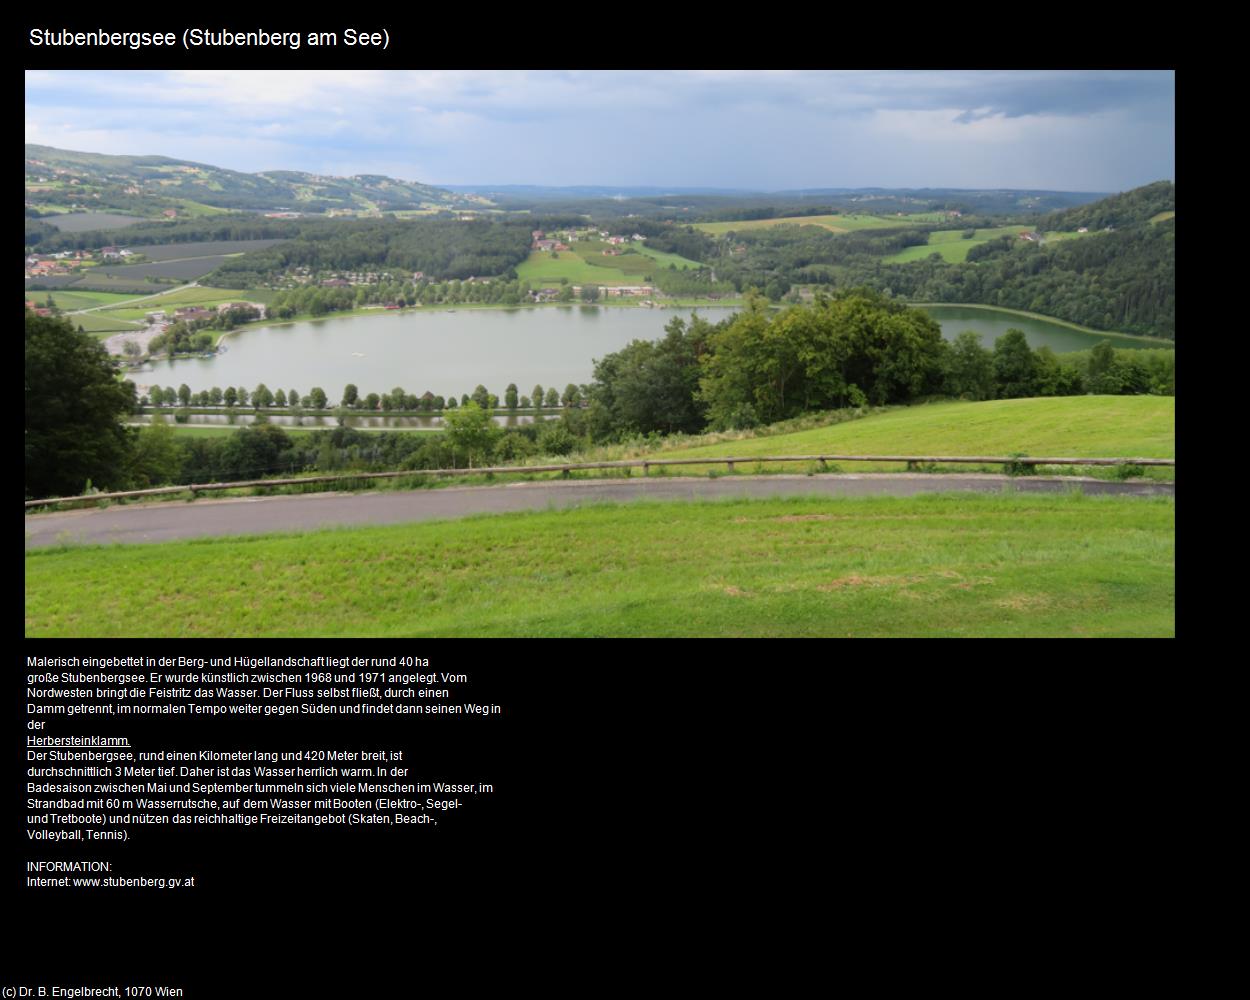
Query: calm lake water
x: 990, y: 324
x: 451, y: 352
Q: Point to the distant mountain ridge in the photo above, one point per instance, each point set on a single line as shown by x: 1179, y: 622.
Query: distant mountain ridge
x: 995, y: 200
x: 150, y: 185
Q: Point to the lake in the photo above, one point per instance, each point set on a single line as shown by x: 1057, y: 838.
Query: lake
x: 990, y: 324
x: 452, y: 351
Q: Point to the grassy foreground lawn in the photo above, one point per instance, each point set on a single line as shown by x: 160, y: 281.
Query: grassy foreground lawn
x: 937, y: 565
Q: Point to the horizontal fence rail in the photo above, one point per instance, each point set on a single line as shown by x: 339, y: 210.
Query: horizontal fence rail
x: 1012, y: 461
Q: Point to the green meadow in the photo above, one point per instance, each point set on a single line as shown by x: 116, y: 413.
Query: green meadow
x: 541, y: 269
x: 68, y: 301
x: 102, y: 323
x: 196, y: 296
x: 1066, y: 426
x: 666, y: 259
x: 951, y: 245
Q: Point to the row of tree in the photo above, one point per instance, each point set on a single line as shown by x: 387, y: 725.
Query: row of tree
x: 158, y: 457
x: 397, y: 399
x: 317, y: 300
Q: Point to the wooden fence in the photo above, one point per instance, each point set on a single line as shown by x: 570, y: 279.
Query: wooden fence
x: 1012, y: 463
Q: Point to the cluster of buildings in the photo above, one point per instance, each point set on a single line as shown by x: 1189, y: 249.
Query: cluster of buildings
x: 189, y: 314
x: 337, y: 279
x: 40, y: 265
x: 561, y: 240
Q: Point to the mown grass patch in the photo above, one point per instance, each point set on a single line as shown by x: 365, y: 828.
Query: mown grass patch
x: 99, y: 322
x: 953, y: 565
x: 84, y: 300
x: 951, y: 246
x: 666, y: 259
x: 542, y: 270
x: 197, y: 296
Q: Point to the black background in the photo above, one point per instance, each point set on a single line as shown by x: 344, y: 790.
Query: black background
x: 667, y: 814
x: 647, y: 795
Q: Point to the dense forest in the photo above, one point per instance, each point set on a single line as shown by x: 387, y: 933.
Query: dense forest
x: 441, y: 248
x: 237, y: 226
x: 1119, y: 280
x: 1123, y: 280
x: 1132, y: 208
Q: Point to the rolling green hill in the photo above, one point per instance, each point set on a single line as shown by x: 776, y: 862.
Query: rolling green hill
x: 149, y: 185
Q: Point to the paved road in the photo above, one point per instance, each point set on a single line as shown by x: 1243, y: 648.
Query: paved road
x: 160, y: 522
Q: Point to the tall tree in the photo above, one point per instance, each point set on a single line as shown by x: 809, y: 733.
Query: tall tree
x: 74, y: 409
x: 1015, y: 368
x: 969, y: 368
x: 470, y: 432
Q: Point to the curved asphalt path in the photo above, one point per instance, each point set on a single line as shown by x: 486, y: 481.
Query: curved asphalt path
x: 162, y: 522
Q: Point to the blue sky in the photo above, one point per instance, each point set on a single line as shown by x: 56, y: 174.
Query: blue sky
x: 762, y: 130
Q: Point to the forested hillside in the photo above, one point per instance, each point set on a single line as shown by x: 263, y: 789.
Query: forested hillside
x: 1136, y: 207
x: 1123, y: 280
x: 146, y: 184
x: 442, y: 248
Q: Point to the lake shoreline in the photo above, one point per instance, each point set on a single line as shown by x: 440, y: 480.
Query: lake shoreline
x: 1161, y: 342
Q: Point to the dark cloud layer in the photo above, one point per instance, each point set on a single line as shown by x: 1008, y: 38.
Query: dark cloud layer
x: 1086, y: 130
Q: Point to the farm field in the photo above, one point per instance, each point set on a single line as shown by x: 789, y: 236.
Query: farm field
x: 836, y: 223
x: 540, y: 270
x: 1056, y: 237
x: 102, y: 323
x: 637, y: 265
x: 196, y: 209
x: 51, y: 281
x: 181, y: 251
x: 96, y: 281
x: 1068, y: 426
x: 665, y: 259
x: 84, y: 300
x: 586, y: 264
x: 196, y: 296
x: 1162, y: 216
x: 183, y: 270
x: 951, y: 245
x: 937, y: 565
x: 81, y: 222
